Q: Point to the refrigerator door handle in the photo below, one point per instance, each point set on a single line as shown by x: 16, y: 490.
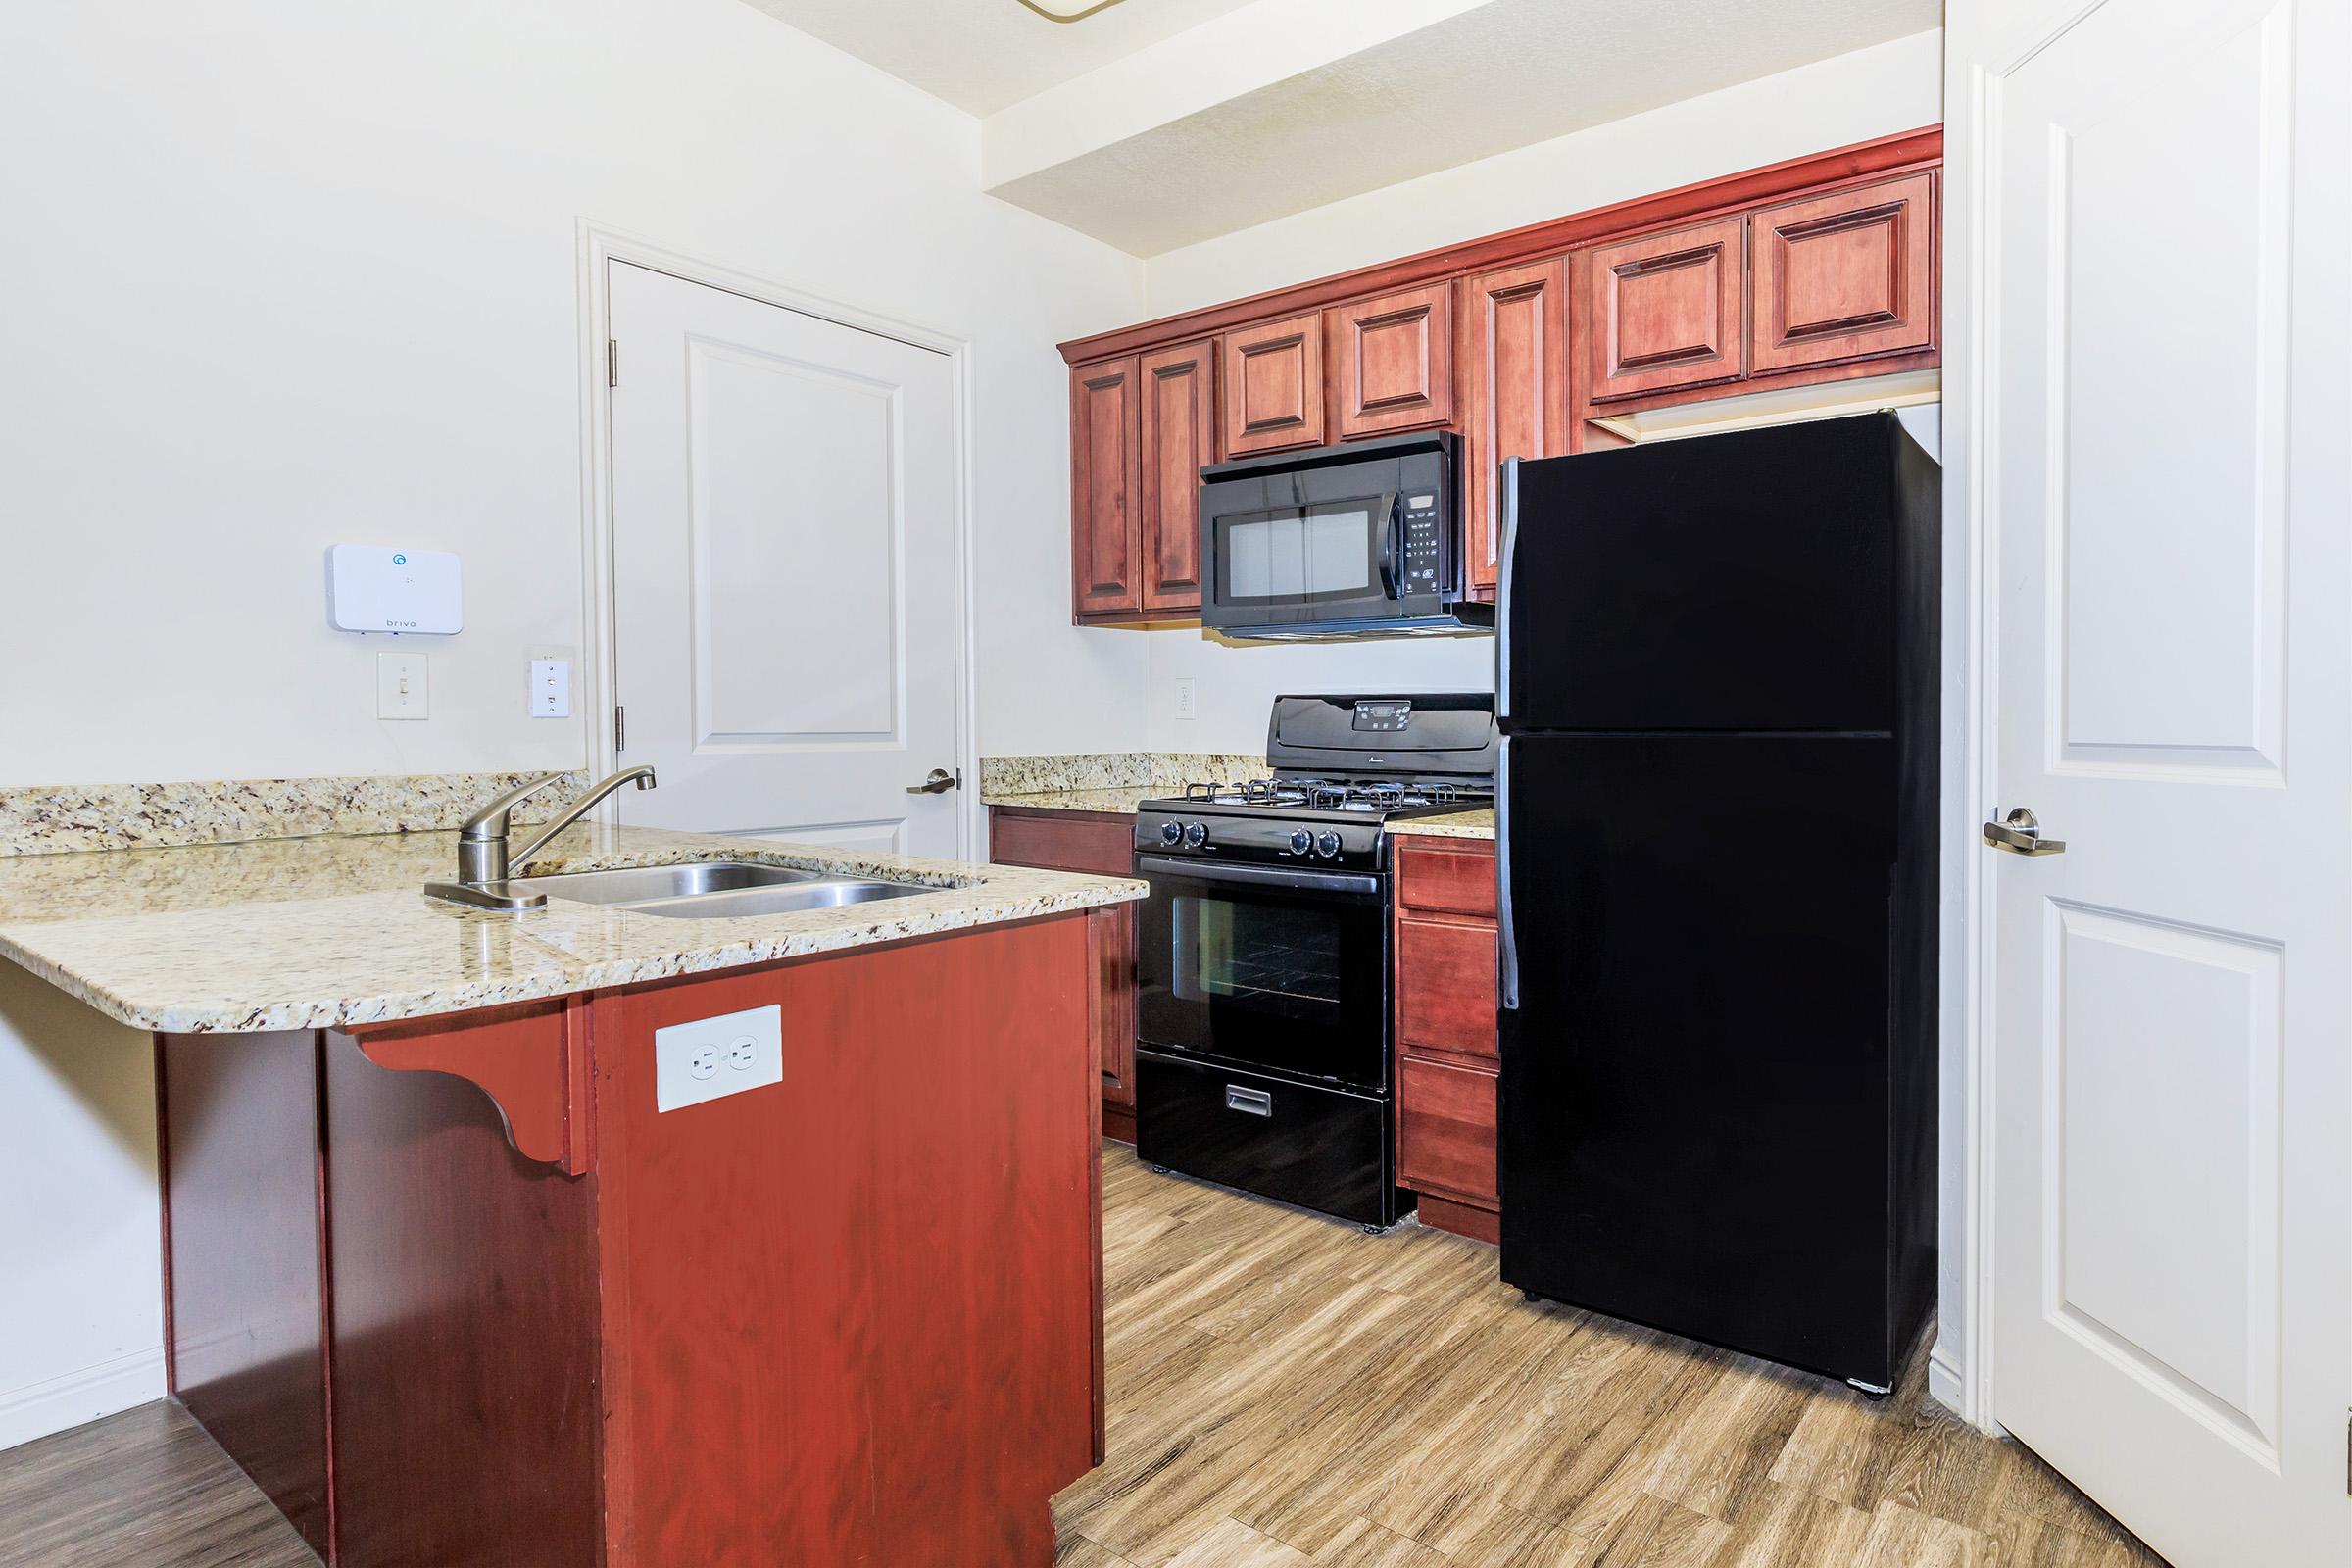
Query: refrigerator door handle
x: 1507, y: 945
x: 1507, y: 500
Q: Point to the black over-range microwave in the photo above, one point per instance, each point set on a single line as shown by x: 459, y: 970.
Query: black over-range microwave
x: 1347, y: 541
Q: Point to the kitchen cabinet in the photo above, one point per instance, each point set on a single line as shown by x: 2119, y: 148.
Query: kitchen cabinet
x: 1178, y: 437
x: 1098, y: 843
x: 1816, y: 270
x: 1393, y: 359
x: 1668, y: 311
x: 1845, y: 276
x: 1512, y: 351
x: 1105, y: 484
x: 1274, y: 386
x: 1448, y: 1064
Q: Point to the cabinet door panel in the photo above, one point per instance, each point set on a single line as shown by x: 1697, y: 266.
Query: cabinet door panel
x: 1104, y: 476
x: 1274, y: 386
x: 1446, y: 1130
x: 1394, y: 362
x: 1846, y: 274
x: 1513, y: 361
x: 1179, y: 437
x: 1666, y: 310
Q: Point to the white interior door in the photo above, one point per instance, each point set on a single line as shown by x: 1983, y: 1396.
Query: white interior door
x: 2167, y: 208
x: 785, y: 571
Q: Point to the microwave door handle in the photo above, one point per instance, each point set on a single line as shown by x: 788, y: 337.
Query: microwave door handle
x: 1394, y: 532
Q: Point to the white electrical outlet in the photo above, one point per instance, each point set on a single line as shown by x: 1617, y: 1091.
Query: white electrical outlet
x: 1184, y: 696
x: 551, y: 688
x: 715, y: 1056
x: 400, y: 685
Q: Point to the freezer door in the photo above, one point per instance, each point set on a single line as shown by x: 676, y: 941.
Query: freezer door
x: 1695, y: 1079
x: 1729, y: 582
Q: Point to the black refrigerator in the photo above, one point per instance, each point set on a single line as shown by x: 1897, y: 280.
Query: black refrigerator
x: 1717, y: 681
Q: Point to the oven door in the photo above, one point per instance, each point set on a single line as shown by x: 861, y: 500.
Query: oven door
x: 1265, y: 967
x: 1315, y: 561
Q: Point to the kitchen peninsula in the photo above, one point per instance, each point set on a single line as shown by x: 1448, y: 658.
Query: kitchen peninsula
x: 449, y: 1283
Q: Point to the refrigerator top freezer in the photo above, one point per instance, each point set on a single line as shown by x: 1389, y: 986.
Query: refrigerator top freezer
x: 1742, y: 582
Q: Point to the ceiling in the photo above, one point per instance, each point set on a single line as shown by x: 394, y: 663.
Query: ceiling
x: 981, y: 55
x: 1158, y: 123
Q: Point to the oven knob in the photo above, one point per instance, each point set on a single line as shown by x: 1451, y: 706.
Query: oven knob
x: 1196, y: 834
x: 1327, y: 844
x: 1301, y: 840
x: 1170, y: 833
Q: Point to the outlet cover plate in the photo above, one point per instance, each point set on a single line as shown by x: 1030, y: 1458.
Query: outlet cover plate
x: 710, y: 1058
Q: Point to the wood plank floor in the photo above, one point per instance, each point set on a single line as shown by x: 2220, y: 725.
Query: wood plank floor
x: 1287, y: 1392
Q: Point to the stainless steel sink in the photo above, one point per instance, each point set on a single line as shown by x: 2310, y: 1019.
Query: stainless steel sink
x: 715, y: 890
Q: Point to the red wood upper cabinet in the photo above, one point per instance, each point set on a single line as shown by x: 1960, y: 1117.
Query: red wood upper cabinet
x: 1394, y: 360
x: 1179, y: 436
x: 1104, y: 471
x: 1512, y: 350
x: 1845, y: 276
x: 1274, y: 386
x: 1666, y: 310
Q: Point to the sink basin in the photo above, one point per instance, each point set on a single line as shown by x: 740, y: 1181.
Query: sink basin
x: 715, y: 890
x: 636, y: 884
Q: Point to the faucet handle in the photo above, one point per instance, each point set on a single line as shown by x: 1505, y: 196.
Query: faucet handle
x: 490, y: 822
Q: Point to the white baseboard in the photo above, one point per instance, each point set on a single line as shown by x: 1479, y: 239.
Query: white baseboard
x: 57, y: 1404
x: 1946, y: 1385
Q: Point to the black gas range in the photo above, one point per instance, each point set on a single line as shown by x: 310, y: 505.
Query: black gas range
x: 1263, y: 954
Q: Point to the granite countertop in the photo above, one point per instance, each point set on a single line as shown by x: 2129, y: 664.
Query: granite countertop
x: 1116, y: 798
x: 1452, y: 825
x: 331, y: 931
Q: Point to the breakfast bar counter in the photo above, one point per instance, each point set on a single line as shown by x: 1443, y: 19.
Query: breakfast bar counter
x: 465, y: 1263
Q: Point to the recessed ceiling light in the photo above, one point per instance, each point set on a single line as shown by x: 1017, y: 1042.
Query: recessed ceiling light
x: 1069, y: 9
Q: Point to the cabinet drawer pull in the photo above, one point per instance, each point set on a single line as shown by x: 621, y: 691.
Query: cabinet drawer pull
x: 1250, y: 1101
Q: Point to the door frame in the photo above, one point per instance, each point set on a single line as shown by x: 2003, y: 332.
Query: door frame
x: 600, y: 245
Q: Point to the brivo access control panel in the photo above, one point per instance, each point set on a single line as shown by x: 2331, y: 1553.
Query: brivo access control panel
x: 385, y: 588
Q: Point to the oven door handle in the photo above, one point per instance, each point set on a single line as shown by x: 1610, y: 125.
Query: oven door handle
x: 1262, y: 876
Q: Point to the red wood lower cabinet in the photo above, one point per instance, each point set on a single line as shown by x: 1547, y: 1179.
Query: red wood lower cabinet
x: 1447, y: 1068
x: 1101, y: 843
x: 855, y: 1317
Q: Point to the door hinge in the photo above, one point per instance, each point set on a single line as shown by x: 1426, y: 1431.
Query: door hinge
x: 620, y: 728
x: 611, y: 361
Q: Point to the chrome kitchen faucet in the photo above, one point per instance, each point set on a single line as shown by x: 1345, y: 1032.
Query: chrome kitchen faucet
x: 483, y: 864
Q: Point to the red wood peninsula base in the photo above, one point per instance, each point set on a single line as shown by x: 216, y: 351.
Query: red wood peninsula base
x: 452, y: 1290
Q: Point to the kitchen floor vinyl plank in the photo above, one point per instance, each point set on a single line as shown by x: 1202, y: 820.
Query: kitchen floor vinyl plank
x: 1285, y: 1391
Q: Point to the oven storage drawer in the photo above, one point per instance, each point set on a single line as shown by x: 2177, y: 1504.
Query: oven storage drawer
x: 1319, y: 1148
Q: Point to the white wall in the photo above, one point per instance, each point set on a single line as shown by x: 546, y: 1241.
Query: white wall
x: 1871, y: 92
x: 281, y: 274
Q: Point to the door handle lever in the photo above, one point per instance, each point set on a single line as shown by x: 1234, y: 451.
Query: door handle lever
x: 938, y: 782
x: 2020, y: 833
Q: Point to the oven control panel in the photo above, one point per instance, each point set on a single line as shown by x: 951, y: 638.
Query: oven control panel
x: 1264, y: 839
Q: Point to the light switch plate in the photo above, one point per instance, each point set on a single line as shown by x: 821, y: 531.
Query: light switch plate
x: 551, y: 688
x: 401, y: 685
x: 714, y: 1058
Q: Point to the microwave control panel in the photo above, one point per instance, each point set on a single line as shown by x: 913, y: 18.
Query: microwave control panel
x: 1422, y: 557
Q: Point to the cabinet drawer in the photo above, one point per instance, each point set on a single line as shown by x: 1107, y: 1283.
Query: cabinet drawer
x: 1446, y: 881
x: 1446, y: 1130
x: 1062, y: 840
x: 1447, y: 987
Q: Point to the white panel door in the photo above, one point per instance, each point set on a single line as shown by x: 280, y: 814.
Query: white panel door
x: 2167, y: 201
x: 785, y: 579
